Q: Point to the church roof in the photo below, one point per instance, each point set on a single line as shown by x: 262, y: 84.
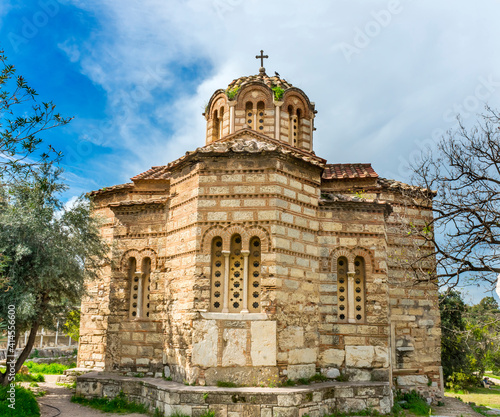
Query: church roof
x: 274, y: 81
x: 112, y: 188
x: 348, y: 171
x: 242, y: 141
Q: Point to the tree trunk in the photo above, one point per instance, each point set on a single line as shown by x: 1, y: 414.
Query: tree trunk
x: 11, y: 358
x: 11, y: 355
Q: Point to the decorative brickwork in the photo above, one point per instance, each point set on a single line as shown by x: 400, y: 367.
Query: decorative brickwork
x: 251, y: 258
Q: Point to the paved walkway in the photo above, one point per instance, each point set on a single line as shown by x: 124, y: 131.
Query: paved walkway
x: 59, y: 397
x: 454, y: 408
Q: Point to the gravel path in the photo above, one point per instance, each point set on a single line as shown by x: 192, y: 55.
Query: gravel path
x: 59, y: 397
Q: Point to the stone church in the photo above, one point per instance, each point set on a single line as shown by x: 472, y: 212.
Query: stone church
x: 252, y: 260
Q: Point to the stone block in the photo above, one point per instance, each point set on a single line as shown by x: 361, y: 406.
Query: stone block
x: 412, y: 380
x: 330, y: 372
x: 297, y: 356
x: 289, y: 400
x: 263, y: 343
x: 285, y: 412
x: 333, y: 357
x: 235, y: 341
x: 301, y: 371
x: 359, y: 356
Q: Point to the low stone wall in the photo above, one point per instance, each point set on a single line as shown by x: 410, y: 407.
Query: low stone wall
x: 315, y: 400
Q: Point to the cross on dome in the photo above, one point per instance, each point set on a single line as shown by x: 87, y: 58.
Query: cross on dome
x: 262, y: 57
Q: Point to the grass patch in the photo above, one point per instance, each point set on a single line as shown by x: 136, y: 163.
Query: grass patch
x: 48, y: 368
x: 29, y: 378
x: 480, y: 396
x: 26, y: 404
x: 227, y: 384
x: 119, y: 404
x: 70, y: 386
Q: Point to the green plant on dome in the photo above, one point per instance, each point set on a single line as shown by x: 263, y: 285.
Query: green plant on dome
x: 231, y: 92
x: 278, y: 93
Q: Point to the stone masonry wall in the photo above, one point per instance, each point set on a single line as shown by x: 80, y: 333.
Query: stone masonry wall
x: 359, y: 349
x: 169, y: 397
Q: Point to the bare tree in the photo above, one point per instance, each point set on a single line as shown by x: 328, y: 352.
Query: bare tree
x: 463, y: 237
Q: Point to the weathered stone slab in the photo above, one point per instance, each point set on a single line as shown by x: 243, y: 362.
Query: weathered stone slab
x: 263, y: 339
x: 205, y: 336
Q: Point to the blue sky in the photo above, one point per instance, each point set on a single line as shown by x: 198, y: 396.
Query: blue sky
x: 387, y: 77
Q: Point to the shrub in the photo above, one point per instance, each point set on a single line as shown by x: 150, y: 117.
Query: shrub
x: 231, y: 92
x: 278, y: 93
x: 26, y: 405
x: 459, y: 381
x: 413, y: 402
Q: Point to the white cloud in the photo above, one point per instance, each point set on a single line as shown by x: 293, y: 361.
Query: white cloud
x: 378, y: 107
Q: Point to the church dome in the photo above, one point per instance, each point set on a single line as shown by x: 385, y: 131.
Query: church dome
x: 270, y: 105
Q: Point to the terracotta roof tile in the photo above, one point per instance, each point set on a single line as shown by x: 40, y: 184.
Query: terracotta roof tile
x: 261, y: 77
x: 139, y: 202
x: 348, y: 171
x: 155, y: 173
x: 112, y: 188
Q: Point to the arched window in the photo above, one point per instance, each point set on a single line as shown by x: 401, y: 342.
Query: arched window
x: 236, y: 276
x: 342, y: 288
x: 260, y: 116
x: 351, y: 290
x: 140, y: 282
x: 217, y: 281
x: 215, y: 126
x: 249, y: 114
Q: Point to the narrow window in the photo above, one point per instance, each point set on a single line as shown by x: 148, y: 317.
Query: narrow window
x: 254, y: 260
x: 249, y: 114
x: 292, y: 126
x: 359, y: 289
x: 235, y: 276
x: 342, y: 288
x: 298, y: 137
x: 134, y: 287
x: 221, y: 122
x: 260, y: 116
x: 217, y: 281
